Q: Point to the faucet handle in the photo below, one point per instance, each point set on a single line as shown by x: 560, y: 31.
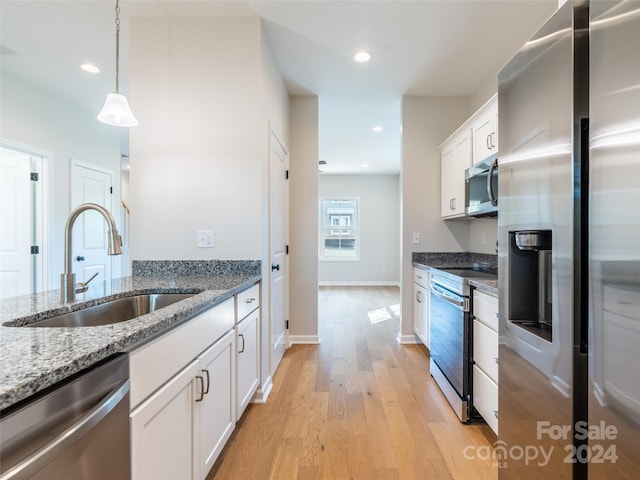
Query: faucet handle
x: 84, y: 286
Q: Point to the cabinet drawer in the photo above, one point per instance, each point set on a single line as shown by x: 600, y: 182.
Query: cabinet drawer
x: 485, y: 349
x: 485, y: 309
x: 421, y: 277
x: 247, y: 301
x: 485, y: 398
x: 153, y: 364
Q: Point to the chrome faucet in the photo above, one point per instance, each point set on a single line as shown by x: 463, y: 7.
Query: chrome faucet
x: 68, y: 288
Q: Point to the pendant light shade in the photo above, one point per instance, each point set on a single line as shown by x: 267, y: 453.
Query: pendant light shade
x: 116, y: 110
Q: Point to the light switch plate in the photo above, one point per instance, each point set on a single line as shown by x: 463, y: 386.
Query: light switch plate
x: 206, y: 239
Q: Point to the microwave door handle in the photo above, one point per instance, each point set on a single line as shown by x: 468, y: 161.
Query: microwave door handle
x: 492, y: 198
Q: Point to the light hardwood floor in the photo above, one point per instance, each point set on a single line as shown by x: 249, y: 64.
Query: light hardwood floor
x: 357, y: 406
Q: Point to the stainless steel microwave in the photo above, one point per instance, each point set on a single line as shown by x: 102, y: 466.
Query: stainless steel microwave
x: 481, y: 188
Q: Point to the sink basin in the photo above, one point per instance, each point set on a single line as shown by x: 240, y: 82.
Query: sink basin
x: 115, y: 311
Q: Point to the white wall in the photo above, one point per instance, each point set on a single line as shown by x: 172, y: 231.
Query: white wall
x: 197, y: 155
x: 379, y: 207
x: 206, y: 92
x: 34, y: 118
x: 426, y: 123
x: 303, y: 214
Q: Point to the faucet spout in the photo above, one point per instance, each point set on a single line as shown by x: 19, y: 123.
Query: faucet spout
x: 68, y: 278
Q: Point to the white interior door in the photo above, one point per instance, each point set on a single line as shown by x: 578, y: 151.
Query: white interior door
x: 91, y: 184
x: 278, y: 209
x: 15, y: 223
x: 22, y: 222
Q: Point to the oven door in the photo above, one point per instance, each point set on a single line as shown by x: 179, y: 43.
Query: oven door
x: 450, y: 337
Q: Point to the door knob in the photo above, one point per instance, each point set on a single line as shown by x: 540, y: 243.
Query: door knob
x: 275, y: 267
x: 79, y: 258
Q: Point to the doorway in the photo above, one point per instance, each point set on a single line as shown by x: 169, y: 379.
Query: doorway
x: 92, y: 184
x: 22, y: 220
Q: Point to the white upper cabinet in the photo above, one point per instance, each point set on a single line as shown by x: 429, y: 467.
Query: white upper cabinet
x: 484, y: 128
x: 473, y: 142
x: 455, y: 159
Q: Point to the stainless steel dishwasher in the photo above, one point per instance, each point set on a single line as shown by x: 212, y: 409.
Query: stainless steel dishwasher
x: 76, y: 430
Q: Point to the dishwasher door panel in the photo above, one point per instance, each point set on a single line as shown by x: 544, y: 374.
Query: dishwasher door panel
x: 77, y: 430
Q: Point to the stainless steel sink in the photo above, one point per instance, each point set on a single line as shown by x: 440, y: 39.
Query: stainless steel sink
x: 119, y: 310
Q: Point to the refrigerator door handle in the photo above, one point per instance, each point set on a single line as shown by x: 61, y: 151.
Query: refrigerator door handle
x: 583, y: 322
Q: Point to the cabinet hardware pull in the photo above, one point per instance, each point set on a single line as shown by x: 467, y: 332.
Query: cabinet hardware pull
x: 242, y: 336
x: 275, y: 267
x: 250, y: 300
x: 488, y: 142
x: 493, y: 139
x: 79, y: 258
x: 496, y: 359
x: 495, y: 412
x: 208, y: 381
x: 199, y: 377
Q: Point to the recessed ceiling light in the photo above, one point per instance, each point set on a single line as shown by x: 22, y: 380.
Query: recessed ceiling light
x: 377, y: 128
x: 89, y: 67
x: 362, y: 57
x: 365, y: 165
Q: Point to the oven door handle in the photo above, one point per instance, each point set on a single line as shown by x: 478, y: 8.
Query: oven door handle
x: 442, y: 294
x: 36, y: 460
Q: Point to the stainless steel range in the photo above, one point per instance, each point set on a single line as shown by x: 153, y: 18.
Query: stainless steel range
x: 450, y: 336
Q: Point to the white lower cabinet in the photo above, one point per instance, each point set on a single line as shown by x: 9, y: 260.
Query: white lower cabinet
x: 485, y: 357
x: 162, y: 435
x: 215, y: 416
x: 248, y: 366
x: 421, y: 305
x: 183, y: 397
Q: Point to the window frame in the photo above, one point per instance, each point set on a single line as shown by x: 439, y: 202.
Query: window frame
x: 349, y: 226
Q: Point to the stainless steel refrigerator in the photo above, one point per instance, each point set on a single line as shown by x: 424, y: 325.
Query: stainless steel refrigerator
x: 569, y: 248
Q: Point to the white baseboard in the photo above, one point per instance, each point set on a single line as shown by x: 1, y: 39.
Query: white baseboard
x: 359, y: 284
x: 407, y: 339
x: 304, y: 339
x: 263, y: 391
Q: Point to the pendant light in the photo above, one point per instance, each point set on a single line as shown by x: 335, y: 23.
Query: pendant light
x: 116, y: 109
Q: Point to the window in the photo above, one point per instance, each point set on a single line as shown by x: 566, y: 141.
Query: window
x: 339, y: 229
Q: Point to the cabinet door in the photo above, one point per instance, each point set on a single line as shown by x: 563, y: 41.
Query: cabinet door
x: 247, y: 361
x: 425, y: 316
x: 215, y: 415
x: 421, y: 313
x: 456, y: 158
x: 485, y: 131
x: 162, y: 433
x: 418, y: 327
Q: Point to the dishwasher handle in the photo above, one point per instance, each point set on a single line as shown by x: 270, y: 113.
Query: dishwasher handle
x: 444, y: 294
x: 52, y: 449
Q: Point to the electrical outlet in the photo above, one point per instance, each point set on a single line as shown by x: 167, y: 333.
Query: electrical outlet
x: 416, y: 238
x: 206, y: 239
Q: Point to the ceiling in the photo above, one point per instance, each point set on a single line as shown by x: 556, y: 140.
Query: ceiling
x: 419, y: 47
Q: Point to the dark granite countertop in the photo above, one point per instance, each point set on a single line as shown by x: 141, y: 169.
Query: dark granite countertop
x: 440, y: 260
x: 32, y: 359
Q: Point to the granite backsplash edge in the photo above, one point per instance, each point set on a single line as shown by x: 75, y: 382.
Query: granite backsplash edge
x: 456, y: 259
x: 144, y: 268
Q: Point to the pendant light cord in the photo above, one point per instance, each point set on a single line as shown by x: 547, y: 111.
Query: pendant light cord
x: 117, y: 45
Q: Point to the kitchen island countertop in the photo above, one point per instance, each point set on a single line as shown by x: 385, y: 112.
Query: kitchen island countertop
x: 32, y: 359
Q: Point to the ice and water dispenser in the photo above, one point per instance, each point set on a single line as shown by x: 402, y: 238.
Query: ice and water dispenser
x: 530, y: 281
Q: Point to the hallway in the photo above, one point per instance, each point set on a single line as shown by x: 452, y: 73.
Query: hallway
x: 358, y: 406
